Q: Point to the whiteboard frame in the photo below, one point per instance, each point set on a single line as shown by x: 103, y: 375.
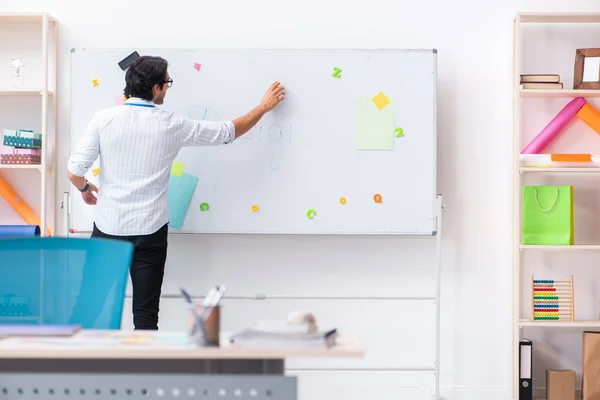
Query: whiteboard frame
x: 434, y: 194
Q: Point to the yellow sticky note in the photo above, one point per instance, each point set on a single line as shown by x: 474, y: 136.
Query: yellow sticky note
x: 380, y: 100
x: 374, y: 128
x: 176, y: 168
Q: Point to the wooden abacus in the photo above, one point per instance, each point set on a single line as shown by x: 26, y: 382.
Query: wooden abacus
x: 552, y: 300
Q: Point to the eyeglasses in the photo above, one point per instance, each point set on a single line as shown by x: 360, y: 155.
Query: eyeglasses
x: 169, y: 82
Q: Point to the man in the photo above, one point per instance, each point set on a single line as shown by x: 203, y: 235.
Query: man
x: 137, y: 142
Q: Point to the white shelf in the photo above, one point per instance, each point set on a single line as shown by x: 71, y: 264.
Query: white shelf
x: 23, y: 92
x: 549, y: 18
x: 25, y: 18
x: 541, y: 170
x: 21, y: 166
x: 573, y: 247
x: 560, y: 324
x: 558, y: 93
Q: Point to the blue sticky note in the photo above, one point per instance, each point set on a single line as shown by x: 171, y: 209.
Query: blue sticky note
x: 181, y: 189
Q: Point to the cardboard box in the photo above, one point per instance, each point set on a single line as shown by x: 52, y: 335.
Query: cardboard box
x: 22, y: 138
x: 590, y: 372
x: 560, y: 384
x: 11, y: 155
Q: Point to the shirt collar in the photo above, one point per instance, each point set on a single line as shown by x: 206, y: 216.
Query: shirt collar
x: 139, y: 101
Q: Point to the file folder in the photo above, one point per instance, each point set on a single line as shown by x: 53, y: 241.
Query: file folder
x: 180, y: 192
x: 525, y: 369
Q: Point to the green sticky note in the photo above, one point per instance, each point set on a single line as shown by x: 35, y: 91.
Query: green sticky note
x: 176, y: 168
x: 374, y: 126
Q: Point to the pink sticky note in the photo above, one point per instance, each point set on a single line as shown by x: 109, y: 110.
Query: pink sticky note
x: 119, y: 100
x: 197, y: 66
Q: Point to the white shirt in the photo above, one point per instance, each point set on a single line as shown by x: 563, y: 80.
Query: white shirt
x: 137, y: 145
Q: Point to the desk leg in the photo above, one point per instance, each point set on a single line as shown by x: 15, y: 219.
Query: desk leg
x: 139, y: 379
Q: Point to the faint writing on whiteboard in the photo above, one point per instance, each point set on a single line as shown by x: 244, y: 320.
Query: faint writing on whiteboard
x: 203, y: 113
x: 278, y: 134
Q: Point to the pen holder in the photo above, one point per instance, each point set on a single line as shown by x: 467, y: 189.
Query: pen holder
x: 205, y: 334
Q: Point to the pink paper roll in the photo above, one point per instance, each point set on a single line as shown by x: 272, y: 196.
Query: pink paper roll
x: 561, y: 120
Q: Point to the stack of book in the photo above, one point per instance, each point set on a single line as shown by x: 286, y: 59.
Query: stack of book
x: 299, y: 330
x: 257, y: 338
x: 541, y: 81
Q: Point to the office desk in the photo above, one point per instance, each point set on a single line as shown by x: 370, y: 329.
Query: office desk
x: 132, y: 365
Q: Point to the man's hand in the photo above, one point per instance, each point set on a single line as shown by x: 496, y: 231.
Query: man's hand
x: 88, y: 196
x: 275, y: 95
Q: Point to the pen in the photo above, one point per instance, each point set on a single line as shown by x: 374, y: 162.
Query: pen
x: 213, y: 301
x: 220, y: 291
x: 209, y: 296
x: 186, y: 296
x: 192, y: 308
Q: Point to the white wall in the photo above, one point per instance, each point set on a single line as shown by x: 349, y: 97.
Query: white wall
x: 475, y: 123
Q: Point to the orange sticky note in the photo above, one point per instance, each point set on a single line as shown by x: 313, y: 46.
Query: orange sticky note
x: 380, y: 100
x: 571, y: 157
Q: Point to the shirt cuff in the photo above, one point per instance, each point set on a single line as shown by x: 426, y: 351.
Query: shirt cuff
x: 230, y: 132
x: 76, y: 169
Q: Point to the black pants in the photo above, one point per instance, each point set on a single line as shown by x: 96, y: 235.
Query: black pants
x: 147, y: 272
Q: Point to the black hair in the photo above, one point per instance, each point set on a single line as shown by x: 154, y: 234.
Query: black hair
x: 143, y: 74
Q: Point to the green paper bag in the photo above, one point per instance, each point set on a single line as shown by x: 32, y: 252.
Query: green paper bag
x: 548, y: 215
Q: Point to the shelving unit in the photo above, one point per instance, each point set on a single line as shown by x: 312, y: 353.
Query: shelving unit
x: 519, y: 250
x: 32, y: 36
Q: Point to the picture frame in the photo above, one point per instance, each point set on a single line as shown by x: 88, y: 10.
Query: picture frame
x: 587, y: 69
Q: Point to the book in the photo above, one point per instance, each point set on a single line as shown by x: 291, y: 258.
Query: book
x: 252, y: 337
x: 541, y: 85
x: 540, y: 78
x: 276, y: 326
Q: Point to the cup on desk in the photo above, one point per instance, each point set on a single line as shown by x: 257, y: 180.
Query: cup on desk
x: 212, y: 325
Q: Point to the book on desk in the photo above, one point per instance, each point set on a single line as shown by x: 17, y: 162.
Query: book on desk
x: 253, y: 337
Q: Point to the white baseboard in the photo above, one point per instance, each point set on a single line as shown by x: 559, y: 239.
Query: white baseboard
x: 476, y: 393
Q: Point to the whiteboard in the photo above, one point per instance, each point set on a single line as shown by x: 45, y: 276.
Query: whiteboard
x: 325, y: 142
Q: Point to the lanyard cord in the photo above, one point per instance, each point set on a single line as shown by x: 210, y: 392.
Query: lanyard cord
x: 139, y: 105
